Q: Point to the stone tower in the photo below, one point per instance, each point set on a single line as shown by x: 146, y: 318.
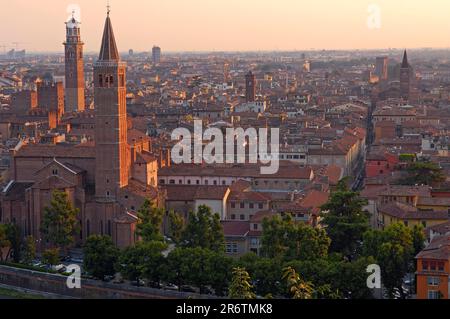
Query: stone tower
x: 112, y: 154
x: 405, y: 77
x: 75, y: 100
x: 250, y: 87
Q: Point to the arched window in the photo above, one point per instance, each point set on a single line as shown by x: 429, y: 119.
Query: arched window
x: 101, y: 228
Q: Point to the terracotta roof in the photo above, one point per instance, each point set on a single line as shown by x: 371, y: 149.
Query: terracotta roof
x: 286, y: 171
x: 315, y: 199
x: 85, y: 150
x: 260, y: 216
x: 438, y: 249
x: 190, y: 193
x: 235, y: 228
x: 406, y: 212
x: 16, y: 191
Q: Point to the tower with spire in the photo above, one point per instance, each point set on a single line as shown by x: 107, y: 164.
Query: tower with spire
x: 74, y: 67
x: 405, y: 77
x: 112, y: 155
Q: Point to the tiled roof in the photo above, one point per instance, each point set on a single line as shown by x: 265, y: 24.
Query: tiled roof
x: 235, y: 228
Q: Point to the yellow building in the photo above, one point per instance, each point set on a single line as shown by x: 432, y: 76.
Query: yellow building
x: 396, y: 212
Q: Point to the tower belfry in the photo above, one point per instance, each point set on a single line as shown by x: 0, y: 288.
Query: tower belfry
x: 74, y: 67
x: 112, y: 155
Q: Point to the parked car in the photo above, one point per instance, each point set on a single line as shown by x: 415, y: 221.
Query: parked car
x: 171, y: 287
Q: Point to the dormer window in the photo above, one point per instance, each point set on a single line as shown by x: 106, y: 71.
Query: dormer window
x: 55, y: 172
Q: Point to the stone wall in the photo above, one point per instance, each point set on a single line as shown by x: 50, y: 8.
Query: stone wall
x: 90, y: 289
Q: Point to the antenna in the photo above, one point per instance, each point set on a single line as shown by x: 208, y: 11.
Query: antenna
x: 108, y: 7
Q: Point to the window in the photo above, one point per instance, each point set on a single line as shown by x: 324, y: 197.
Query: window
x: 433, y: 265
x: 224, y: 183
x: 441, y: 266
x: 233, y: 205
x: 180, y: 182
x: 232, y: 248
x: 109, y: 228
x: 434, y: 294
x: 162, y: 182
x: 215, y: 183
x: 254, y: 241
x: 255, y: 226
x: 433, y: 281
x: 242, y: 217
x: 252, y: 206
x: 242, y: 205
x: 260, y: 206
x: 189, y: 182
x: 100, y: 80
x: 233, y: 217
x: 101, y: 228
x: 55, y: 172
x: 172, y: 181
x: 198, y: 182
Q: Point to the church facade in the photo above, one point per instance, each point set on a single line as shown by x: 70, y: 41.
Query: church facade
x: 107, y: 180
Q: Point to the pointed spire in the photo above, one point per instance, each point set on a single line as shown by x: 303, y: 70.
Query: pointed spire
x: 108, y: 50
x: 405, y: 63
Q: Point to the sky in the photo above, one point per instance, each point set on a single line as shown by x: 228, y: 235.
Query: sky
x: 231, y: 25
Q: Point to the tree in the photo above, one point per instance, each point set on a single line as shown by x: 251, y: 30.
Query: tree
x: 59, y: 224
x: 284, y: 238
x: 150, y: 219
x: 298, y: 288
x: 100, y: 256
x: 50, y: 257
x: 240, y: 287
x: 4, y: 241
x: 218, y: 268
x: 265, y: 273
x: 176, y: 226
x: 423, y: 173
x: 145, y: 260
x: 29, y: 250
x: 15, y: 238
x: 394, y: 249
x: 345, y: 221
x: 204, y: 230
x: 419, y: 239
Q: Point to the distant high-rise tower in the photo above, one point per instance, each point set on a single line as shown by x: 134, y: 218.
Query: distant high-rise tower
x: 112, y: 155
x: 75, y: 100
x: 156, y: 55
x: 250, y: 87
x: 381, y: 69
x: 405, y: 77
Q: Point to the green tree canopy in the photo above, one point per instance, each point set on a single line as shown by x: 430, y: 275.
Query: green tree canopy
x: 4, y: 241
x: 345, y: 221
x: 284, y: 238
x: 394, y: 250
x: 59, y: 224
x: 241, y: 287
x: 204, y: 230
x: 145, y: 260
x: 423, y: 173
x: 150, y: 219
x: 28, y: 250
x: 176, y: 226
x: 100, y: 256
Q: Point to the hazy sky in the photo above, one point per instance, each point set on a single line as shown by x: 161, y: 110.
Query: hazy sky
x: 206, y: 25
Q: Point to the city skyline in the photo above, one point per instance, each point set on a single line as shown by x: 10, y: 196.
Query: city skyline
x: 250, y: 26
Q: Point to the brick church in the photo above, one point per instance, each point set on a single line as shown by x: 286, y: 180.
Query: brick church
x: 107, y: 180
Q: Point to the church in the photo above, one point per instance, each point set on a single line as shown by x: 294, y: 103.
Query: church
x: 107, y: 179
